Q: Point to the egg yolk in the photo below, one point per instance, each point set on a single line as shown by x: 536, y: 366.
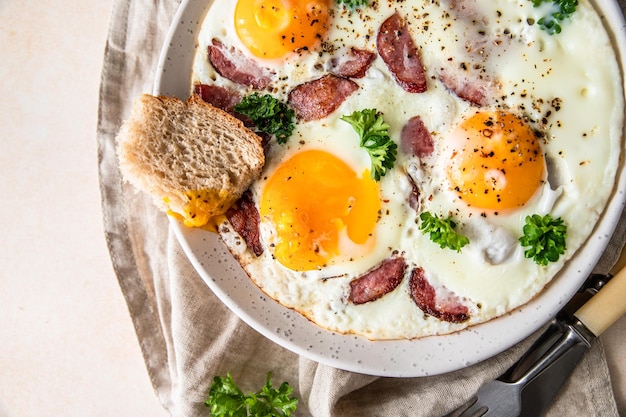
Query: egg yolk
x: 273, y: 28
x: 315, y: 201
x: 496, y: 161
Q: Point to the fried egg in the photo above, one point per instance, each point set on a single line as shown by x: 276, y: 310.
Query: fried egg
x: 274, y: 28
x: 305, y: 237
x: 543, y: 137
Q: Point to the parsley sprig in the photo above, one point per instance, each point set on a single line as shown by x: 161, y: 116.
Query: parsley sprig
x: 551, y: 22
x: 374, y: 135
x: 545, y: 236
x: 269, y: 115
x: 353, y: 4
x: 441, y: 231
x: 227, y: 400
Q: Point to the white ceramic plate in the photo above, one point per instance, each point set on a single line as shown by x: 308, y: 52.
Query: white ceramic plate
x: 403, y: 358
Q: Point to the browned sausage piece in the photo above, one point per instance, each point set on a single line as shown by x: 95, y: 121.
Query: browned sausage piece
x: 220, y: 97
x: 231, y: 63
x: 353, y: 64
x: 416, y: 139
x: 317, y: 99
x: 414, y: 197
x: 447, y: 307
x: 397, y: 49
x: 245, y: 219
x: 379, y: 281
x: 225, y: 99
x: 474, y: 91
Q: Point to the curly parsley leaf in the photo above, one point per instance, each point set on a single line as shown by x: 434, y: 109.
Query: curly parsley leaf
x: 353, y: 4
x: 562, y: 9
x: 374, y: 135
x: 227, y: 400
x: 545, y: 237
x: 441, y: 231
x: 269, y: 115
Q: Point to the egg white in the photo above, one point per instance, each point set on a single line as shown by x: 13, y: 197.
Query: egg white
x: 576, y: 99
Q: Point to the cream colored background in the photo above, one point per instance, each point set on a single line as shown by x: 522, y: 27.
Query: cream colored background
x: 67, y: 346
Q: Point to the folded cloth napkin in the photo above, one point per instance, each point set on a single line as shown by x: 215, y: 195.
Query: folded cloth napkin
x: 188, y: 336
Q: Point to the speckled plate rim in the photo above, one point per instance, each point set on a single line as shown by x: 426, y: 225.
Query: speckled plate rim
x: 394, y: 358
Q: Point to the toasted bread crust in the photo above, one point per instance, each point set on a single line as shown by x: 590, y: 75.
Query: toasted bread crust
x: 193, y: 158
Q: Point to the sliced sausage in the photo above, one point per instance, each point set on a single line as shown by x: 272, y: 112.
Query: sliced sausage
x: 471, y: 89
x: 353, y: 64
x: 414, y: 196
x: 317, y: 99
x: 416, y: 139
x: 220, y: 97
x: 442, y: 304
x: 245, y: 219
x: 398, y: 50
x: 225, y: 99
x: 379, y: 281
x: 232, y: 64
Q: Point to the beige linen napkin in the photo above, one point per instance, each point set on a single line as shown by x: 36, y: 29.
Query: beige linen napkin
x: 188, y: 336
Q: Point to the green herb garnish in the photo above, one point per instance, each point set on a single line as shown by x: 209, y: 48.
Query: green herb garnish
x: 268, y: 114
x: 374, y: 135
x: 353, y: 4
x: 227, y: 400
x: 546, y: 238
x: 441, y: 231
x: 551, y: 22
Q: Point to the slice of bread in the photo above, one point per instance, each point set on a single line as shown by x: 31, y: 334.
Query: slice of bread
x: 194, y: 159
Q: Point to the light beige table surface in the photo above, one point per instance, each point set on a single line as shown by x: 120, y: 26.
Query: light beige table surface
x: 67, y: 345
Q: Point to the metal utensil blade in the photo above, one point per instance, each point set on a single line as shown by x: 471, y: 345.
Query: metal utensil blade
x: 543, y: 370
x: 529, y: 386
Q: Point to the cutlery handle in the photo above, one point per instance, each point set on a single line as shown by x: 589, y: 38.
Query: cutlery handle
x: 606, y: 307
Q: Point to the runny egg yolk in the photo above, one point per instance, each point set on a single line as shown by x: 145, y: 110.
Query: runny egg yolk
x: 273, y: 28
x: 496, y: 161
x: 315, y: 201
